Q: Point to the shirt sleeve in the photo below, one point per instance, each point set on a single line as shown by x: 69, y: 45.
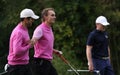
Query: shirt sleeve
x: 90, y: 40
x: 37, y: 33
x: 18, y: 47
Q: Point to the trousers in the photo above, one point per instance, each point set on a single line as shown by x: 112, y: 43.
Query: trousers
x: 42, y: 66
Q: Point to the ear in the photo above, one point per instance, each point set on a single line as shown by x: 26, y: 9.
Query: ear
x: 45, y: 17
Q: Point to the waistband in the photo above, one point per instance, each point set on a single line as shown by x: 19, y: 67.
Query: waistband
x: 42, y: 59
x: 21, y: 65
x: 104, y: 58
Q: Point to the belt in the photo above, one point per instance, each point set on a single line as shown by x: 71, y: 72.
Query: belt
x: 104, y: 58
x: 40, y: 61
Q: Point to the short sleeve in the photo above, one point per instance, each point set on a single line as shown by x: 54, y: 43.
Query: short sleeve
x: 37, y: 33
x: 90, y: 40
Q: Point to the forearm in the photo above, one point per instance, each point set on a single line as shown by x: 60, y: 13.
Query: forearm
x: 89, y: 54
x: 18, y: 50
x: 109, y: 53
x: 89, y: 58
x: 20, y: 47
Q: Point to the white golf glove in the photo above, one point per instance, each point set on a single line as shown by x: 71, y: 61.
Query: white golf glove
x: 6, y: 67
x: 60, y: 52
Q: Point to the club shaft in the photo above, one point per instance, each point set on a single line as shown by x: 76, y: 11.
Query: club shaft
x: 84, y: 70
x: 73, y: 69
x: 3, y: 72
x: 96, y: 71
x: 68, y: 64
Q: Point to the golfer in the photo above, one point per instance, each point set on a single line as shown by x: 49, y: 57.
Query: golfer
x: 44, y: 41
x: 97, y: 49
x: 19, y: 45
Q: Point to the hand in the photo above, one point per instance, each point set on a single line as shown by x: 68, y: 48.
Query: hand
x: 58, y: 52
x: 90, y: 67
x: 31, y: 43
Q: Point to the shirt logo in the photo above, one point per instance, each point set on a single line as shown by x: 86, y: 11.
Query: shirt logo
x: 106, y: 36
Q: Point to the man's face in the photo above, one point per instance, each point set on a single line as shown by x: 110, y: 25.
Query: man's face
x: 101, y: 27
x: 29, y: 21
x: 50, y: 18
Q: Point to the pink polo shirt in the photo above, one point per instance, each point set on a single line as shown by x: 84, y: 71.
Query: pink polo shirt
x: 44, y: 46
x: 18, y: 46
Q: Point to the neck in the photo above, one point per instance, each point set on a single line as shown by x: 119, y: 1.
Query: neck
x: 48, y: 24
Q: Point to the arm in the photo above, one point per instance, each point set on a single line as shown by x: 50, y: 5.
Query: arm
x: 109, y: 53
x: 89, y: 57
x: 89, y: 46
x: 37, y: 35
x: 20, y: 47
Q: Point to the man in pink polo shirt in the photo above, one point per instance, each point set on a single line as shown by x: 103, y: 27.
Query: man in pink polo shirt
x: 44, y: 40
x: 19, y: 45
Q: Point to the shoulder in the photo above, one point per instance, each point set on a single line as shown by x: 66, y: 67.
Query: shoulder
x: 16, y: 34
x: 93, y: 33
x: 17, y: 30
x: 39, y: 26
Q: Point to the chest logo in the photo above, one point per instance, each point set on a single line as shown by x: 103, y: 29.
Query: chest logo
x: 106, y: 36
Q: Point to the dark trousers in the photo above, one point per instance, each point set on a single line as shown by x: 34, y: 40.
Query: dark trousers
x: 43, y: 67
x: 19, y: 70
x: 103, y: 66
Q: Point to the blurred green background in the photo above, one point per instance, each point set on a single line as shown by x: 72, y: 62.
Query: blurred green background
x: 75, y: 20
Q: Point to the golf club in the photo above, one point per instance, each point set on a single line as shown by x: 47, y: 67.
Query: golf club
x: 96, y: 71
x: 68, y: 64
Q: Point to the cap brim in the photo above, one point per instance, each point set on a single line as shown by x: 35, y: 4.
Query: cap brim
x: 35, y: 17
x: 106, y: 24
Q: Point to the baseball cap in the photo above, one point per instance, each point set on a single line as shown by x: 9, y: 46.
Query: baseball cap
x: 28, y: 13
x: 102, y: 20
